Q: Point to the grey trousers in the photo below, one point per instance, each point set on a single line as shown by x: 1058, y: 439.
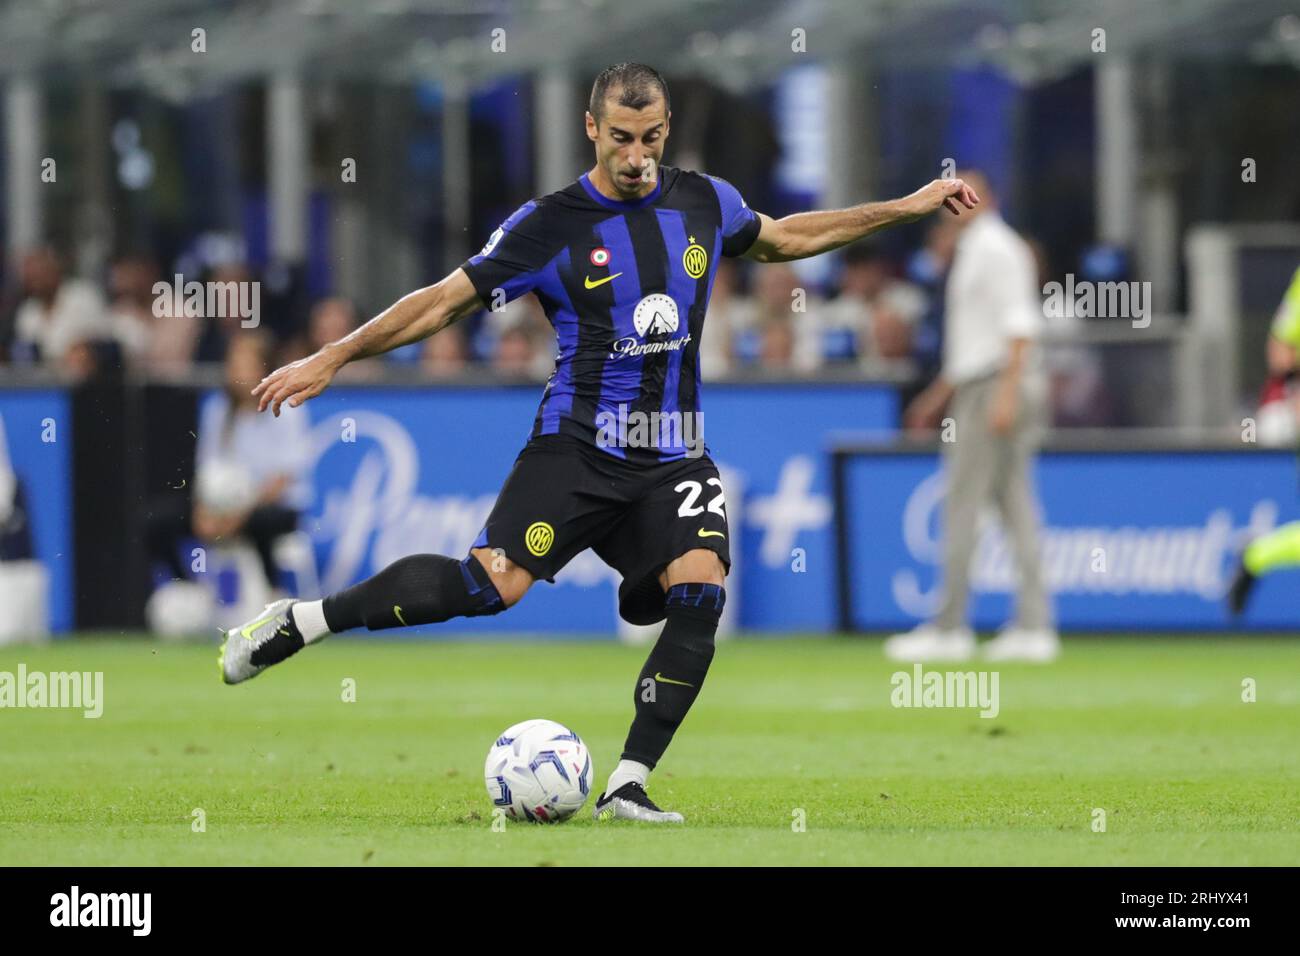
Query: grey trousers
x: 983, y: 467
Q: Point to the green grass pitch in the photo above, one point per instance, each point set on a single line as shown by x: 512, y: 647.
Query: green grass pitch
x: 1153, y: 731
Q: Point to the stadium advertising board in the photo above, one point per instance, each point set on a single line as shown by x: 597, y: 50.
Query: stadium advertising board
x: 1131, y: 540
x: 425, y: 466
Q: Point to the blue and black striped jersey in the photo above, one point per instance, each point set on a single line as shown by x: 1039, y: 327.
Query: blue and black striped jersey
x: 626, y: 286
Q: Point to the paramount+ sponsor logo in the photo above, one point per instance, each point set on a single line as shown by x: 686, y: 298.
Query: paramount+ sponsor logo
x: 1103, y: 560
x: 655, y: 317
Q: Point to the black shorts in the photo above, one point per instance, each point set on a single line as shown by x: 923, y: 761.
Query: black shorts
x: 564, y: 496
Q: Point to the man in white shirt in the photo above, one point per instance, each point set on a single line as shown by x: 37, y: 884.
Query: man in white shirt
x: 993, y: 386
x: 57, y: 313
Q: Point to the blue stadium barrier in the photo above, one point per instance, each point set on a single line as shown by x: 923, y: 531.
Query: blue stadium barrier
x: 427, y: 463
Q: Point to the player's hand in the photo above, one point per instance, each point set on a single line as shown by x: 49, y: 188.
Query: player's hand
x: 296, y: 382
x: 952, y: 194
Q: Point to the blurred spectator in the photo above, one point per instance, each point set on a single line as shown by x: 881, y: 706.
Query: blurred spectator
x: 131, y: 300
x: 1076, y: 382
x: 730, y: 312
x: 80, y: 361
x: 15, y: 521
x: 875, y: 313
x: 330, y: 320
x: 249, y: 468
x: 220, y: 329
x: 445, y: 354
x: 515, y: 355
x: 333, y: 319
x: 928, y: 269
x: 1279, y: 401
x: 56, y: 312
x: 777, y: 344
x: 143, y: 319
x: 784, y: 307
x: 771, y: 325
x: 515, y: 335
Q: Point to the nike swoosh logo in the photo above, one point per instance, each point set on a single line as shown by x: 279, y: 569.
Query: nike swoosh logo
x: 666, y: 680
x: 398, y: 611
x: 586, y: 280
x: 247, y: 632
x: 709, y: 534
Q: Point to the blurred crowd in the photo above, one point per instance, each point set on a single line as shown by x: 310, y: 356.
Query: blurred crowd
x: 764, y: 318
x: 876, y: 312
x: 83, y: 329
x: 135, y: 320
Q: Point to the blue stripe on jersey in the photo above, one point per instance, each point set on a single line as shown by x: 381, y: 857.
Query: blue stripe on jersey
x: 681, y: 287
x: 520, y: 283
x: 735, y: 214
x: 558, y: 402
x: 620, y: 380
x: 714, y: 256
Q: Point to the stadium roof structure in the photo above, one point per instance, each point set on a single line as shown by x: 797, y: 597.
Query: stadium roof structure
x: 147, y: 43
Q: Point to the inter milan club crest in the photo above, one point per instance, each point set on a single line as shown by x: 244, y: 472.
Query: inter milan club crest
x: 600, y: 257
x: 695, y: 260
x: 538, y: 538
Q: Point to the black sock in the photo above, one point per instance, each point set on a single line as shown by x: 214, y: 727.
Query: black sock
x: 419, y: 589
x: 675, y: 669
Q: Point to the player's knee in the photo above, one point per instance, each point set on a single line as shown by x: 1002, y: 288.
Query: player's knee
x: 510, y: 580
x: 693, y: 601
x: 698, y: 566
x: 694, y: 611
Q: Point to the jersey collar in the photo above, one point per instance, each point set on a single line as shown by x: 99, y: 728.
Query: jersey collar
x: 608, y: 203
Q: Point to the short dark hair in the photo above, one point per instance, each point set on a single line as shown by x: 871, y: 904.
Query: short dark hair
x: 638, y: 84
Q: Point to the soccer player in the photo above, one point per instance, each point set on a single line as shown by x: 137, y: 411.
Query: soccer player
x: 1279, y: 548
x: 622, y: 261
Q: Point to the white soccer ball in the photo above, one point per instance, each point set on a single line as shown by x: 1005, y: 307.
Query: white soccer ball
x: 225, y: 487
x: 538, y: 771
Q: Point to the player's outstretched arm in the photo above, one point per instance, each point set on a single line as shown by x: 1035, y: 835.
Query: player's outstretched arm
x: 812, y: 233
x: 411, y: 318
